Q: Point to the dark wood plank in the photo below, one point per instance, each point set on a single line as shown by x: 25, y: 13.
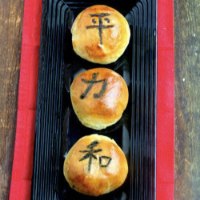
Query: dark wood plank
x: 11, y: 12
x: 187, y: 32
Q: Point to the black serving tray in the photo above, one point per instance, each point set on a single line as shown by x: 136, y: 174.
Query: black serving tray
x: 57, y: 127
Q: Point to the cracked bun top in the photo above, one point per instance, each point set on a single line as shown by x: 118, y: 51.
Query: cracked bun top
x: 100, y: 34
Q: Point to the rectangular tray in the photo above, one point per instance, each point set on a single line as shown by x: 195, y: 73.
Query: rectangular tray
x: 57, y: 128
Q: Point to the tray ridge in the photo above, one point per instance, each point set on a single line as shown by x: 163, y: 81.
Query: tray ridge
x: 54, y: 108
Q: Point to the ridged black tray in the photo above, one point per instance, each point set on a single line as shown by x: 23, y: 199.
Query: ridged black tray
x: 57, y: 127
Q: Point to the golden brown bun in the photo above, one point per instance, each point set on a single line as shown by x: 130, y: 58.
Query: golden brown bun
x: 105, y: 101
x: 100, y: 45
x: 108, y: 169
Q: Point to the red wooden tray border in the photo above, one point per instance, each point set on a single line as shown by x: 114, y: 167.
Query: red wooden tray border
x: 20, y: 187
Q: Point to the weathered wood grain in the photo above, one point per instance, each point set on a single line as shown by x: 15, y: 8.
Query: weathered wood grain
x: 11, y: 12
x: 187, y: 157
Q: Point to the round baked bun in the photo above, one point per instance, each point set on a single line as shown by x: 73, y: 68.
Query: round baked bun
x: 100, y: 34
x: 99, y: 97
x: 95, y: 165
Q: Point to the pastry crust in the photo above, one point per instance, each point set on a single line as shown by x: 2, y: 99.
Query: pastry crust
x: 99, y: 97
x: 100, y: 34
x: 108, y: 167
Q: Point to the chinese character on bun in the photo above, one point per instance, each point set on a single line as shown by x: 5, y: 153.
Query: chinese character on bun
x: 95, y: 165
x: 100, y: 34
x: 99, y: 97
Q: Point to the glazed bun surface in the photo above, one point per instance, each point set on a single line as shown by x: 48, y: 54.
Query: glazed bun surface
x: 95, y: 165
x: 99, y: 97
x: 100, y: 34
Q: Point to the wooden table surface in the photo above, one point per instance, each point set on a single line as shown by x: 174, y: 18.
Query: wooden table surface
x: 187, y: 93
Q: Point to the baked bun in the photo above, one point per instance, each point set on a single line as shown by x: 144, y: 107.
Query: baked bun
x: 95, y: 165
x: 99, y: 97
x: 100, y: 34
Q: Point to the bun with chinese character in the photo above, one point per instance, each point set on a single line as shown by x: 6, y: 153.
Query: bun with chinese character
x: 99, y: 97
x: 95, y: 165
x: 100, y: 34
